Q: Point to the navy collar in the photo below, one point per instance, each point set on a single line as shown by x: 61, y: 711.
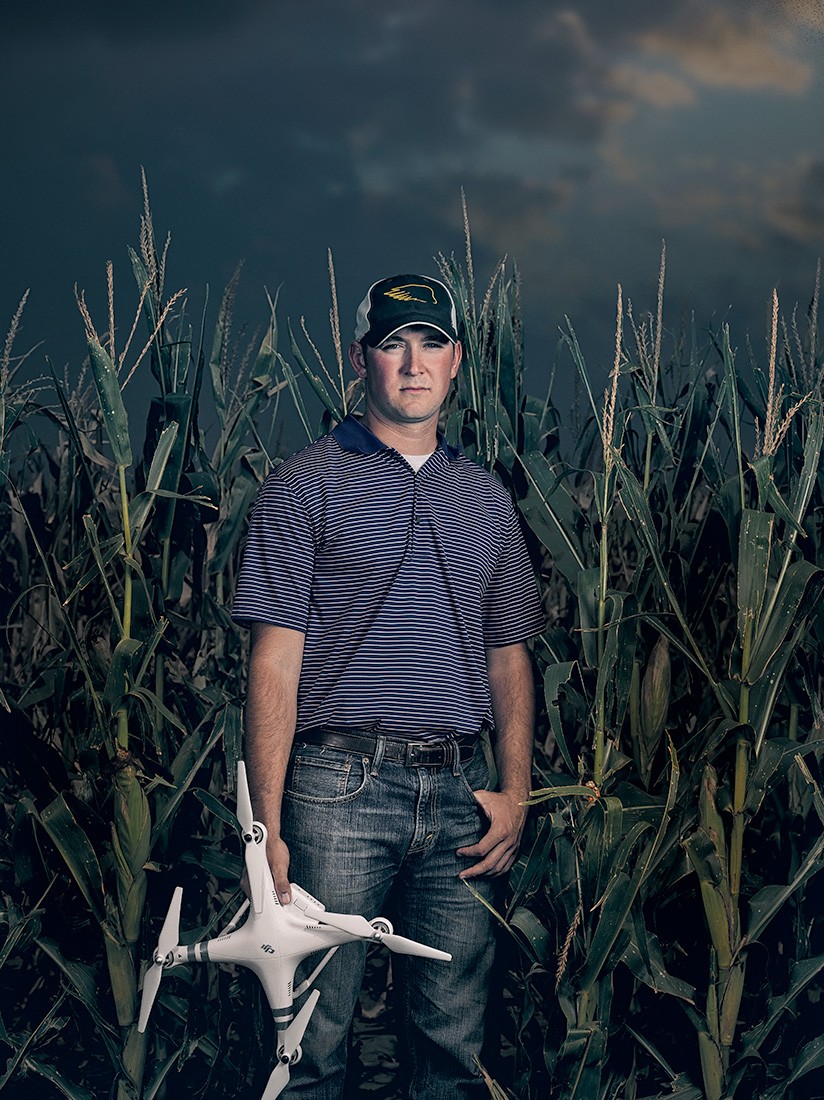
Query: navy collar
x: 353, y: 436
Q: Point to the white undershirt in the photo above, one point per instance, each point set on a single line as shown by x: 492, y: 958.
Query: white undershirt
x: 416, y: 461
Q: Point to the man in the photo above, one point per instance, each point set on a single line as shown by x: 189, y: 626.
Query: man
x: 390, y: 597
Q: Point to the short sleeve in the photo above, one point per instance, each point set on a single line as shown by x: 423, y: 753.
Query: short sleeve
x: 275, y: 578
x: 512, y: 607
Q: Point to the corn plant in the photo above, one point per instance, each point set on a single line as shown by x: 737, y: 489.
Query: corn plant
x: 122, y: 665
x: 681, y: 708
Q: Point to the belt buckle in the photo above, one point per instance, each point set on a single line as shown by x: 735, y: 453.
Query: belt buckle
x: 419, y: 754
x: 412, y: 752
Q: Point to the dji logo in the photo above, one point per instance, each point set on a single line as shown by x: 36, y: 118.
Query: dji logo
x: 266, y: 947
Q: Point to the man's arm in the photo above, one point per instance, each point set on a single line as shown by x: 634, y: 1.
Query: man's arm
x: 271, y: 712
x: 513, y: 705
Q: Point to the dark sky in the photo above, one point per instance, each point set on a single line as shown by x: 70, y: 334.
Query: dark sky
x: 582, y: 133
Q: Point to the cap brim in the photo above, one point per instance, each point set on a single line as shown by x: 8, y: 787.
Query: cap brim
x: 412, y: 324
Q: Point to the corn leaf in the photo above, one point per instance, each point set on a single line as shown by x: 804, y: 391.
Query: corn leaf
x: 754, y: 544
x: 121, y: 968
x: 611, y: 924
x: 101, y: 561
x: 140, y: 505
x: 81, y: 979
x: 810, y: 1057
x: 783, y: 614
x: 772, y: 765
x: 529, y: 873
x: 115, y: 419
x: 637, y: 508
x: 766, y: 903
x: 588, y: 588
x: 552, y: 515
x: 768, y: 493
x: 23, y: 931
x: 152, y: 1089
x: 554, y: 679
x: 803, y: 973
x: 297, y: 398
x: 186, y: 765
x: 315, y: 381
x: 177, y: 412
x: 601, y: 835
x: 214, y: 806
x: 121, y: 671
x: 562, y: 790
x: 76, y: 851
x: 765, y: 692
x: 50, y: 1073
x: 622, y: 892
x: 154, y: 705
x: 581, y: 1058
x: 23, y: 1058
x: 533, y: 935
x: 621, y: 856
x: 102, y: 553
x: 615, y: 666
x: 141, y: 277
x: 651, y: 970
x: 232, y: 527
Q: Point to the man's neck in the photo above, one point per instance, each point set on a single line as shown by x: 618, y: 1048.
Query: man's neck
x: 408, y: 439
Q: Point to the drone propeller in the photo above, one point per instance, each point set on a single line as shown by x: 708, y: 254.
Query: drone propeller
x: 254, y: 837
x: 289, y: 1049
x: 403, y: 946
x: 169, y: 936
x: 360, y: 926
x: 245, y: 814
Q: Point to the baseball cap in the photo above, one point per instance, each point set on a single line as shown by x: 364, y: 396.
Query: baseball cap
x: 401, y: 300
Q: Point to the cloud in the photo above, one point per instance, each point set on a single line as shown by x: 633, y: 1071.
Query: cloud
x: 728, y: 49
x: 656, y: 87
x: 577, y: 129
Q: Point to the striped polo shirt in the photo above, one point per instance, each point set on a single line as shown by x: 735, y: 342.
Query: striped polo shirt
x: 399, y: 581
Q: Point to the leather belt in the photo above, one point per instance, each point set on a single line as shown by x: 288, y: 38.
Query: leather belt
x: 414, y: 754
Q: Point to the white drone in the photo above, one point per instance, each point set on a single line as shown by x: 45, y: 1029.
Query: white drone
x: 272, y: 942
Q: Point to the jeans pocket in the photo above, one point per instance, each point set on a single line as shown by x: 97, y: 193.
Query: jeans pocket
x: 320, y: 775
x: 475, y: 774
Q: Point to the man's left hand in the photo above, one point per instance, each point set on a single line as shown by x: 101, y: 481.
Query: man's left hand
x: 498, y: 847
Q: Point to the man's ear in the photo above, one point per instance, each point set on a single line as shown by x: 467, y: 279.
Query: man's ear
x: 458, y: 355
x: 357, y: 359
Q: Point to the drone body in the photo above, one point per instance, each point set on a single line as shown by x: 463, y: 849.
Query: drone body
x: 272, y: 942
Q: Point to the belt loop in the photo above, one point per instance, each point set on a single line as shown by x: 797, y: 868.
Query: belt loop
x: 455, y: 756
x: 380, y: 748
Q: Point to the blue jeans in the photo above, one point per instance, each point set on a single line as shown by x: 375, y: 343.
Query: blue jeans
x: 378, y: 838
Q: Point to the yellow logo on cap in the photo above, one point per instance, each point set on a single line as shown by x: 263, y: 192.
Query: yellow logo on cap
x: 403, y: 293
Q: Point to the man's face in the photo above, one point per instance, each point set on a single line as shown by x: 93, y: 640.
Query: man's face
x: 407, y: 376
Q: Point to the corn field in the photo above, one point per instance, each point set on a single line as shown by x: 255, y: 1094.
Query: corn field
x: 663, y: 933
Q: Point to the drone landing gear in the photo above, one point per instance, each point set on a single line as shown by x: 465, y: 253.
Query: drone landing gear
x: 289, y: 1051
